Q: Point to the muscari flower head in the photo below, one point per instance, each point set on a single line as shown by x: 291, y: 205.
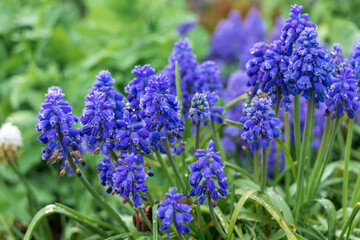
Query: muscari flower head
x: 182, y: 54
x: 237, y: 86
x: 132, y: 133
x: 184, y: 28
x: 203, y: 173
x: 128, y: 177
x: 294, y: 26
x: 260, y: 125
x: 162, y: 112
x: 172, y: 212
x: 337, y: 58
x: 355, y: 60
x: 274, y: 66
x: 228, y: 39
x: 56, y: 124
x: 103, y: 106
x: 215, y: 112
x: 255, y: 31
x: 106, y: 168
x: 310, y: 66
x: 253, y: 66
x: 199, y: 112
x: 136, y: 87
x: 343, y: 95
x: 208, y: 77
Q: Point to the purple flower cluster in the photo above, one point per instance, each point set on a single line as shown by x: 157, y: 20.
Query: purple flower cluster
x: 228, y: 39
x: 260, y: 125
x: 136, y: 87
x: 343, y: 95
x: 103, y: 107
x: 56, y: 124
x: 162, y: 112
x: 199, y: 111
x: 132, y: 133
x: 294, y: 26
x: 184, y: 28
x: 194, y: 77
x: 355, y: 60
x: 207, y: 168
x: 172, y: 212
x: 129, y: 177
x: 310, y: 66
x: 337, y: 58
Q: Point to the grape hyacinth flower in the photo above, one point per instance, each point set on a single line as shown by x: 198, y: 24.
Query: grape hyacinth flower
x: 184, y: 28
x: 173, y: 212
x: 215, y: 112
x: 310, y: 66
x: 103, y: 106
x: 228, y: 39
x: 343, y: 95
x: 162, y: 111
x: 294, y: 26
x: 106, y: 169
x: 237, y: 86
x: 188, y: 65
x: 260, y: 126
x: 255, y: 31
x: 98, y: 120
x: 56, y: 124
x: 208, y: 78
x: 136, y: 87
x: 129, y: 177
x: 274, y: 66
x: 199, y: 112
x: 207, y: 168
x: 132, y: 133
x: 337, y: 58
x: 355, y: 60
x: 253, y: 66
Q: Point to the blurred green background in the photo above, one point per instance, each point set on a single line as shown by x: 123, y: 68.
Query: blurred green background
x: 67, y: 42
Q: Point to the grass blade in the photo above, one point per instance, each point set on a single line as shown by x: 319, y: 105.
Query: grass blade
x: 53, y: 209
x: 155, y: 222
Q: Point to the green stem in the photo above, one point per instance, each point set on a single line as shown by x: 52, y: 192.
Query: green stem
x: 308, y: 156
x: 320, y: 155
x: 218, y: 143
x: 264, y: 170
x: 236, y: 101
x: 302, y: 162
x: 178, y: 86
x: 256, y: 166
x: 346, y: 169
x: 96, y: 196
x: 326, y: 158
x: 197, y: 137
x: 164, y: 167
x: 147, y: 221
x: 173, y: 164
x: 278, y: 159
x: 278, y: 97
x: 213, y: 217
x: 348, y: 223
x: 297, y: 130
x: 288, y: 145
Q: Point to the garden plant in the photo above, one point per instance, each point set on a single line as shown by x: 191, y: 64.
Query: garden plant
x: 251, y: 160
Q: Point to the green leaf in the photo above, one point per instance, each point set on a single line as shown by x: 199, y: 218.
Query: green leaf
x: 129, y: 234
x: 288, y: 157
x: 53, y: 209
x: 233, y: 123
x: 237, y: 210
x: 349, y: 222
x: 155, y: 222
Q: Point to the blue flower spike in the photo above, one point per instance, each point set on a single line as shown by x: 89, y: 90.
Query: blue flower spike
x: 172, y: 211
